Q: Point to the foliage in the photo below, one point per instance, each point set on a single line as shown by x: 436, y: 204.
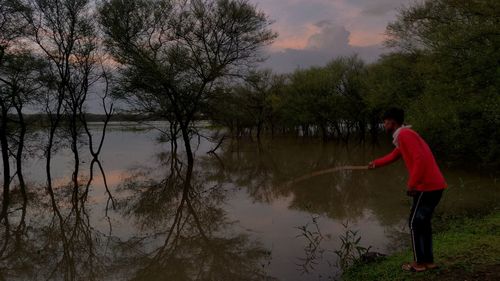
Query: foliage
x: 177, y: 60
x: 326, y: 101
x: 444, y: 71
x: 173, y: 53
x: 457, y: 44
x: 350, y: 251
x: 249, y: 104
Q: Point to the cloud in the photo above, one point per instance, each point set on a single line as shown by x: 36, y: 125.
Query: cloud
x: 347, y: 27
x: 329, y: 36
x: 330, y: 41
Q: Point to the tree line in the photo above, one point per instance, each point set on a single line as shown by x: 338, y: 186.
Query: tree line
x: 182, y: 61
x: 163, y: 57
x: 319, y: 101
x: 443, y: 69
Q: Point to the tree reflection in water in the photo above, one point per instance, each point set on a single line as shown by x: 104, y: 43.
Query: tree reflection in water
x: 183, y: 232
x: 197, y: 241
x: 262, y: 169
x: 176, y: 221
x: 51, y: 242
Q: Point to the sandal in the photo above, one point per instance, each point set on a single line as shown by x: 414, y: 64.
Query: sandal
x: 413, y: 267
x: 431, y: 266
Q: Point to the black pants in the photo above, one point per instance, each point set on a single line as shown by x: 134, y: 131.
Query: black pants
x: 422, y: 209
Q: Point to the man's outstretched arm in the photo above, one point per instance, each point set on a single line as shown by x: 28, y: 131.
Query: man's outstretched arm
x: 386, y: 160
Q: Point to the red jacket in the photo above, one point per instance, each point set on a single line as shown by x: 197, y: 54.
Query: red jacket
x: 424, y: 172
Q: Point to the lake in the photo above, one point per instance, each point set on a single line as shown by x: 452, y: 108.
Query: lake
x: 239, y: 220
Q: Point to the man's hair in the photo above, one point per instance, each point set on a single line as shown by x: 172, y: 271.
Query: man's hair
x: 396, y: 114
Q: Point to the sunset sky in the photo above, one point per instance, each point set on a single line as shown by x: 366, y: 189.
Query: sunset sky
x: 312, y: 32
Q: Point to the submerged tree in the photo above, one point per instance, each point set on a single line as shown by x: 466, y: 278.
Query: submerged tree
x: 65, y: 33
x: 21, y: 83
x: 247, y: 104
x: 326, y: 101
x: 174, y: 52
x: 11, y: 28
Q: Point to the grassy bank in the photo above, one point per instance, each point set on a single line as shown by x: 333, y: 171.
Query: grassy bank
x: 469, y: 249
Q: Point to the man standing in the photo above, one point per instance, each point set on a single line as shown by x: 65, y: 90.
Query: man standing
x: 425, y: 185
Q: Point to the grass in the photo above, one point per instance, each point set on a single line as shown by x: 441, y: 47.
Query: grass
x: 469, y: 249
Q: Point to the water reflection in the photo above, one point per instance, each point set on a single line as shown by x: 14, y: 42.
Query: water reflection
x: 261, y: 171
x: 140, y: 211
x: 191, y: 229
x: 42, y: 240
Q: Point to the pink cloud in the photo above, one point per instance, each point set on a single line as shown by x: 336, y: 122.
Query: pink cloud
x: 366, y: 38
x: 295, y: 40
x: 313, y: 32
x: 294, y: 19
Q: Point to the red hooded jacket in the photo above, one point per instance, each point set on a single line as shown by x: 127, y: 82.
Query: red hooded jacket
x: 424, y: 172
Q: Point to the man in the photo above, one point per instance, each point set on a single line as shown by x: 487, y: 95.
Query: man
x: 425, y: 185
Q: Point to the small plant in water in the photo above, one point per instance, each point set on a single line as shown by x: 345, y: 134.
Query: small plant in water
x: 350, y: 251
x: 312, y: 249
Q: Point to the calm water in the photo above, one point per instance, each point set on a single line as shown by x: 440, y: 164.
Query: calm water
x: 237, y: 221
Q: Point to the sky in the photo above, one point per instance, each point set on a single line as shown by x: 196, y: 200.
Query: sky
x: 312, y: 32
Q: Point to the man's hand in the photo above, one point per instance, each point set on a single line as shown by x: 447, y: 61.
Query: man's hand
x: 371, y: 165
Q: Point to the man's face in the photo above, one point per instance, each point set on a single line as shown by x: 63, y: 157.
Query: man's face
x: 390, y: 126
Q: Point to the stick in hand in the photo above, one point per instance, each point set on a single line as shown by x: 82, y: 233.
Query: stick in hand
x: 326, y: 171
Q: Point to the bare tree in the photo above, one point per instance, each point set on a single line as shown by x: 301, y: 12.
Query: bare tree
x: 173, y: 52
x: 11, y: 27
x: 21, y: 81
x: 65, y: 33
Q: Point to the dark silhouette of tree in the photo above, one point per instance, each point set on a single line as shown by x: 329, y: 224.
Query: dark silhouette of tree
x: 174, y: 52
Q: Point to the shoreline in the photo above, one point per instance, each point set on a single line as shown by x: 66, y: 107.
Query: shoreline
x: 468, y: 249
